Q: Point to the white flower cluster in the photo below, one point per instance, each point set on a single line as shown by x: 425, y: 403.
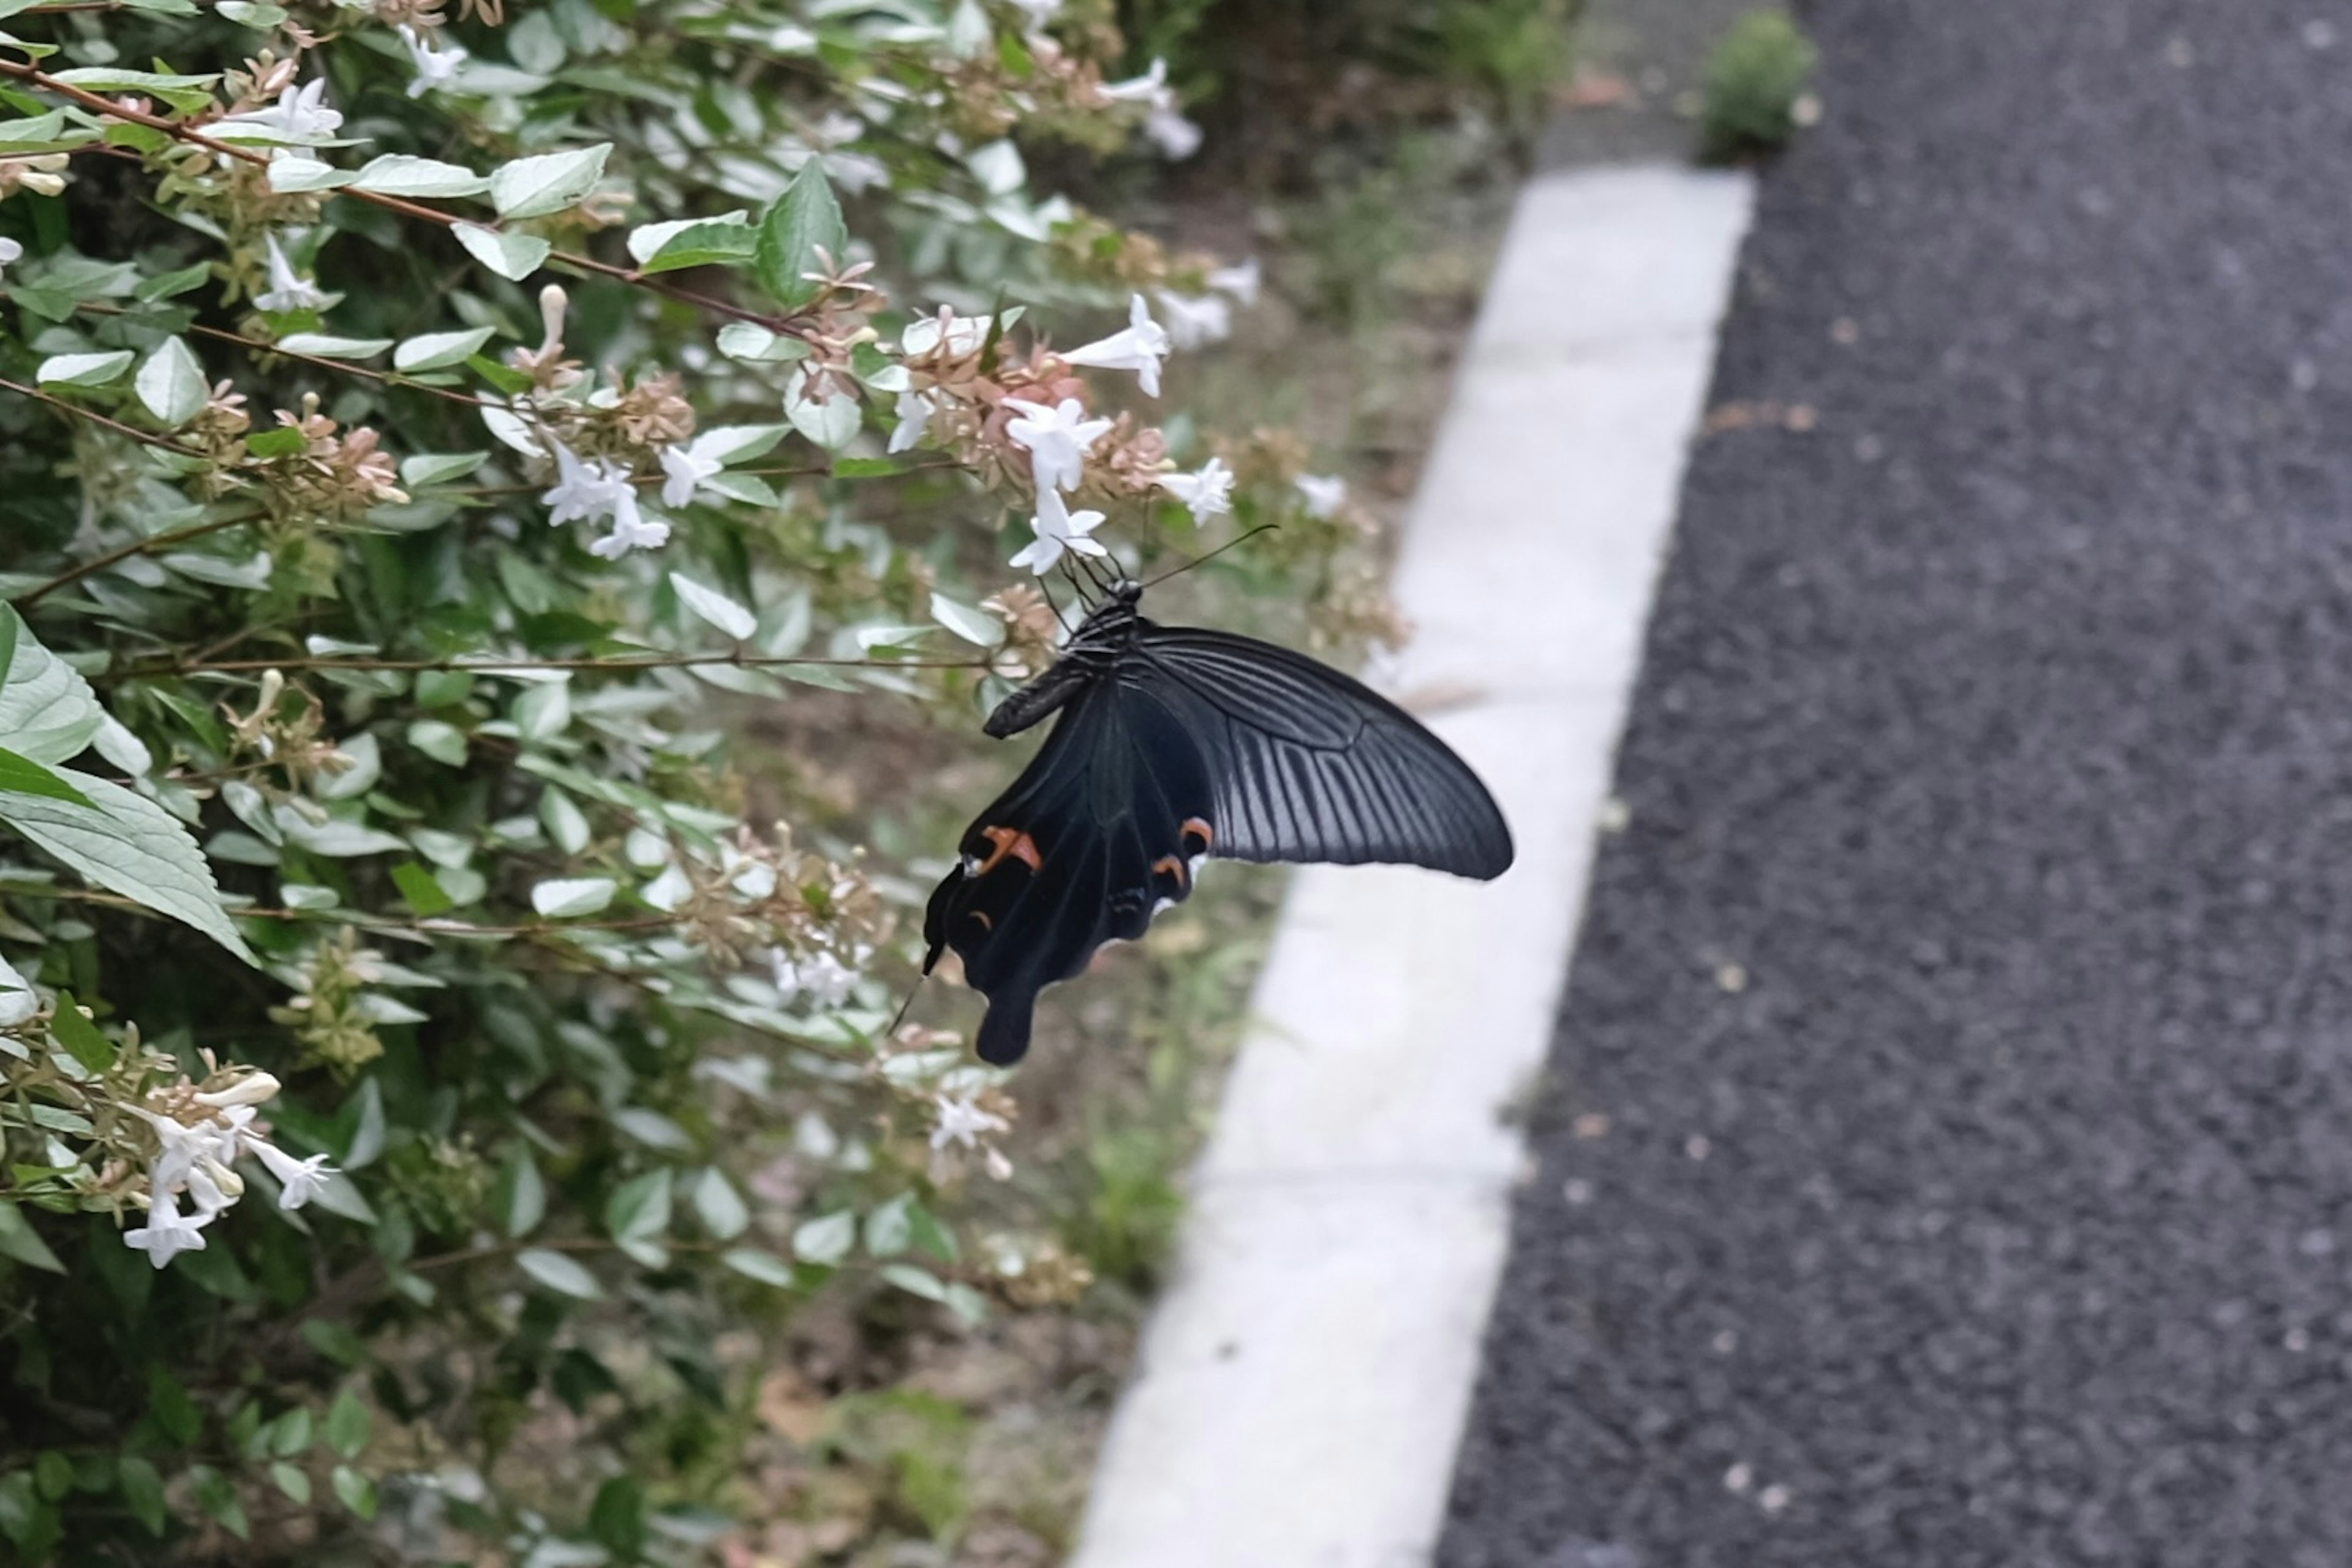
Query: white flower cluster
x: 597, y: 489
x: 197, y: 1161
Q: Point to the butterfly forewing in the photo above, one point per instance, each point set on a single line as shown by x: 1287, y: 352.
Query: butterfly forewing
x: 1310, y: 765
x: 1171, y: 743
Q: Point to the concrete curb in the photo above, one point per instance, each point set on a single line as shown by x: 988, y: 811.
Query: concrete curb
x: 1304, y: 1381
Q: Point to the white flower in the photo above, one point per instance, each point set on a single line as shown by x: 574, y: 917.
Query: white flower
x: 1194, y: 321
x: 253, y: 1088
x: 1059, y: 439
x: 825, y: 979
x: 300, y: 114
x: 10, y: 251
x: 1208, y: 492
x: 962, y: 1122
x: 915, y: 412
x: 212, y: 1186
x: 1140, y: 347
x: 168, y: 1232
x: 1241, y: 283
x: 1324, y: 493
x: 631, y: 531
x: 1058, y: 529
x: 289, y: 290
x: 687, y: 465
x: 435, y: 66
x: 1151, y: 87
x: 963, y: 334
x: 184, y: 1147
x: 1167, y: 129
x: 301, y: 1179
x: 587, y: 490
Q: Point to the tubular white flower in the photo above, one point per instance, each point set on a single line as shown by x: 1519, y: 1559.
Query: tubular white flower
x: 253, y: 1088
x: 1058, y: 529
x: 632, y: 530
x: 1195, y: 321
x: 1325, y: 493
x: 1241, y: 282
x: 825, y: 980
x: 289, y: 290
x: 585, y: 491
x: 1138, y: 347
x: 1151, y: 87
x: 1176, y: 137
x: 302, y: 1180
x: 687, y: 465
x: 11, y: 252
x: 961, y: 1121
x: 168, y: 1232
x: 915, y: 411
x: 300, y: 114
x: 1059, y: 439
x: 1208, y: 492
x: 436, y: 65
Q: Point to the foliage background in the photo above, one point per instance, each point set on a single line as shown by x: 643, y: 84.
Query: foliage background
x: 642, y: 1236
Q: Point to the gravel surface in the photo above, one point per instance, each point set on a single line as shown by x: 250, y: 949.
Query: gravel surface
x: 1947, y: 1157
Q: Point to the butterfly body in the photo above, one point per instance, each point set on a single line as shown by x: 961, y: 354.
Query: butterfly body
x: 1172, y: 743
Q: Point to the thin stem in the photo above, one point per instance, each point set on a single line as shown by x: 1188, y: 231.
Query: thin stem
x: 136, y: 547
x: 391, y: 378
x: 588, y: 264
x: 489, y: 664
x: 360, y: 918
x: 147, y: 436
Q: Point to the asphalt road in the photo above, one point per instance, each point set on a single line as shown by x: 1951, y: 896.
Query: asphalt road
x: 1947, y: 1156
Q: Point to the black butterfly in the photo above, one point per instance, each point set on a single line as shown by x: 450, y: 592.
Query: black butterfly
x: 1179, y: 742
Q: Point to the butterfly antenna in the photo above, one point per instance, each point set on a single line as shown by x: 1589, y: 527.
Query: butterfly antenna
x: 900, y: 1016
x: 1212, y: 555
x: 1045, y: 586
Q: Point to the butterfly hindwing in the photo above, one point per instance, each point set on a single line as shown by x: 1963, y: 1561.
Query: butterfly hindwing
x: 1084, y: 847
x: 1309, y: 764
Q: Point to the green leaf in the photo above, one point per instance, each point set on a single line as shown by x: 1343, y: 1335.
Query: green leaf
x: 559, y: 1273
x: 753, y: 1264
x: 549, y: 182
x: 566, y: 898
x: 83, y: 370
x: 827, y: 1238
x: 286, y: 441
x: 718, y: 1207
x: 22, y: 775
x: 82, y: 1039
x: 916, y: 1281
x: 400, y: 174
x: 423, y: 894
x: 293, y: 176
x: 724, y: 242
x: 170, y: 285
x: 128, y: 845
x: 887, y: 1227
x: 20, y: 1241
x: 432, y: 469
x: 217, y: 1495
x: 172, y: 384
x: 716, y: 609
x: 173, y: 1411
x: 514, y: 257
x: 435, y: 351
x: 972, y: 626
x: 796, y: 225
x: 291, y: 1433
x: 640, y: 1208
x: 520, y: 1196
x: 291, y: 1480
x: 354, y: 1491
x: 142, y: 1491
x: 831, y: 421
x: 53, y: 1472
x: 348, y: 1423
x: 326, y: 345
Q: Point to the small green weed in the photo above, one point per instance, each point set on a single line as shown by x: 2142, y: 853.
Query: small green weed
x: 1754, y: 81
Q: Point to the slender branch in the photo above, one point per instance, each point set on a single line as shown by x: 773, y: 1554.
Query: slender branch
x: 179, y: 132
x: 804, y: 470
x: 362, y: 919
x: 147, y: 436
x: 136, y: 547
x: 391, y: 378
x: 489, y: 664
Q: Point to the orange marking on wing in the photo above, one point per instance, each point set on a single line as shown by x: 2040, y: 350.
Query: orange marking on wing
x: 1174, y: 866
x: 1200, y: 825
x: 1009, y: 841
